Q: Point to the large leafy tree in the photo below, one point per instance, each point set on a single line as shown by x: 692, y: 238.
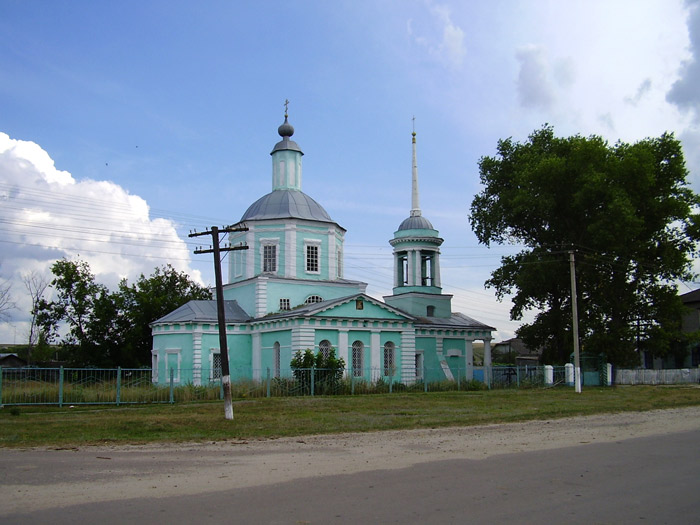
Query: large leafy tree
x: 83, y: 316
x: 628, y: 214
x: 149, y: 299
x: 103, y: 328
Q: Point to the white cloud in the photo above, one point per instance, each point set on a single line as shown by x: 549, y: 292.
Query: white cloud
x: 446, y: 42
x: 534, y: 84
x: 684, y: 92
x: 46, y: 214
x: 643, y: 89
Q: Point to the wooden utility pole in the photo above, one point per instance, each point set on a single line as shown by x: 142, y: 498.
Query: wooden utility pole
x: 574, y: 308
x: 221, y: 314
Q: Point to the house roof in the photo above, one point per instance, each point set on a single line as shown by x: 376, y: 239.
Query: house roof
x: 198, y: 311
x: 457, y: 320
x: 517, y: 346
x: 691, y: 297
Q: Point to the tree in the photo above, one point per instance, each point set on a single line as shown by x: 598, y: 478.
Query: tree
x: 6, y: 301
x: 36, y: 285
x: 627, y: 212
x: 111, y: 328
x: 89, y: 312
x: 149, y: 299
x: 327, y: 371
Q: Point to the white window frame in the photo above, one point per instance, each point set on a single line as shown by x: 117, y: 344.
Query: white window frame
x: 325, y: 348
x: 154, y: 366
x: 389, y: 358
x: 238, y: 263
x: 357, y: 358
x: 339, y: 263
x: 285, y: 304
x: 265, y: 243
x: 277, y: 357
x: 317, y: 245
x: 313, y: 299
x: 176, y: 375
x: 419, y: 364
x: 212, y: 369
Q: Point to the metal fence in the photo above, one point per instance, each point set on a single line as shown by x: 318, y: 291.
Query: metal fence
x: 121, y: 386
x: 657, y: 377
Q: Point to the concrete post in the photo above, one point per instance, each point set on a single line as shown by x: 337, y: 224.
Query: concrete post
x: 569, y: 374
x: 548, y: 375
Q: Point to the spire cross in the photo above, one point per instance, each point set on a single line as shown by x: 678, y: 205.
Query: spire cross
x: 286, y: 104
x: 414, y: 123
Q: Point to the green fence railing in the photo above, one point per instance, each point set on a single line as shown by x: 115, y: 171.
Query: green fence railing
x: 122, y: 386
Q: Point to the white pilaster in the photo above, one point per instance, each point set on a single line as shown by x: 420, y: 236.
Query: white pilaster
x: 469, y: 359
x: 261, y: 297
x: 250, y: 253
x: 487, y: 361
x: 375, y: 361
x: 290, y: 250
x: 436, y: 263
x: 332, y: 254
x: 343, y: 347
x: 408, y: 356
x: 257, y: 356
x: 302, y: 338
x: 417, y: 281
x: 197, y: 357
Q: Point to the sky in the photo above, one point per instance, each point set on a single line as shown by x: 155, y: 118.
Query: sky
x: 126, y: 124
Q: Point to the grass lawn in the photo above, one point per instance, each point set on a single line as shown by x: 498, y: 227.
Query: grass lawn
x: 294, y: 416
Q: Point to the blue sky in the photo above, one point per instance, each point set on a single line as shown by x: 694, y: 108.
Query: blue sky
x: 126, y: 124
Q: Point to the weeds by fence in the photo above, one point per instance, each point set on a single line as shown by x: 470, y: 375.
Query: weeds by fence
x: 120, y: 386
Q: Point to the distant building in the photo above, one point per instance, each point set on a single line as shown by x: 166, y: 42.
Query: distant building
x: 11, y: 361
x: 287, y: 292
x: 515, y: 351
x: 690, y: 323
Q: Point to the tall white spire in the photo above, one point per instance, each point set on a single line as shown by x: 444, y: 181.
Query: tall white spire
x: 415, y: 204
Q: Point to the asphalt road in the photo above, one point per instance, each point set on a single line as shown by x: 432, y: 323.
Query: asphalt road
x: 643, y: 480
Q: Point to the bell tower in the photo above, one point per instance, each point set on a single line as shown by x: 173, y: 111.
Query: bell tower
x: 417, y: 285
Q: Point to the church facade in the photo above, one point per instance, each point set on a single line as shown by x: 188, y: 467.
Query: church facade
x: 287, y: 292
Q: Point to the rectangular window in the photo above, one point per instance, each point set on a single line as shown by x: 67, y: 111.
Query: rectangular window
x: 357, y: 351
x: 419, y: 366
x: 284, y: 304
x: 269, y: 258
x: 154, y: 366
x: 312, y: 259
x: 216, y: 366
x: 172, y: 365
x: 237, y: 263
x: 278, y: 359
x: 388, y: 359
x: 340, y: 264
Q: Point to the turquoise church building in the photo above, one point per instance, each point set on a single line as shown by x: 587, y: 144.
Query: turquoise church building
x: 287, y: 292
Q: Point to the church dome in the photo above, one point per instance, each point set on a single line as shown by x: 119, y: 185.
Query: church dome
x: 286, y: 204
x: 417, y: 222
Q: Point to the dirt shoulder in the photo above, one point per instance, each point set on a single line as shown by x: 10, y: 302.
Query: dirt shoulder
x: 33, y: 479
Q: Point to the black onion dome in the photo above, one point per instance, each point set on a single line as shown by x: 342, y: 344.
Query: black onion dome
x: 286, y: 129
x: 286, y: 204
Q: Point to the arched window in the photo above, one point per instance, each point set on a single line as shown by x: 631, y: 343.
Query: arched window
x: 313, y: 299
x: 389, y: 358
x: 358, y: 350
x: 276, y: 348
x: 325, y: 348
